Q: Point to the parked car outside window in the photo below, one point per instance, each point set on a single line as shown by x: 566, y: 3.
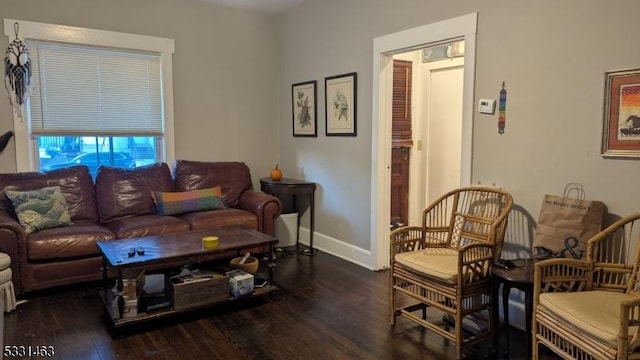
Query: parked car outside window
x: 93, y: 161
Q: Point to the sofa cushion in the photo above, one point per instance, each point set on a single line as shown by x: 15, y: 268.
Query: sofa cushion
x: 145, y: 225
x: 233, y: 177
x: 75, y: 183
x: 220, y: 218
x: 172, y: 203
x: 77, y: 186
x: 73, y: 241
x: 127, y: 192
x: 40, y: 209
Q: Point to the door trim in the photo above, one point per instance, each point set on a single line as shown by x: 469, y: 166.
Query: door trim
x: 383, y: 48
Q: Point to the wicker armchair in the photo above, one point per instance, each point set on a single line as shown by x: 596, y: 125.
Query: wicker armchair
x: 590, y: 309
x: 446, y: 263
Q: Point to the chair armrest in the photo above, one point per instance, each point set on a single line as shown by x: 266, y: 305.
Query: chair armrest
x: 473, y: 253
x: 13, y: 243
x: 561, y: 275
x: 266, y: 207
x: 474, y: 262
x: 406, y: 238
x: 629, y: 317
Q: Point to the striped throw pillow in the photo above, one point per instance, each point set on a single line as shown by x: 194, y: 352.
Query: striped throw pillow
x: 174, y: 203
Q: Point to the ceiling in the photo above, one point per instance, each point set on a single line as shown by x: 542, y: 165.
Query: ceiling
x: 272, y: 6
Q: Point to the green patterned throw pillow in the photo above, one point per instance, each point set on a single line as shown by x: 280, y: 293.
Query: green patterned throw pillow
x: 40, y: 209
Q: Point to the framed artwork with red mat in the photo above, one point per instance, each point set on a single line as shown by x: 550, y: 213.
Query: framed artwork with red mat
x: 621, y: 125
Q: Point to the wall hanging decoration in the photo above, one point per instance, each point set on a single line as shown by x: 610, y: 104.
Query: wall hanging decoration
x: 303, y: 108
x: 17, y: 73
x: 621, y: 128
x: 4, y: 139
x: 340, y: 104
x: 502, y: 110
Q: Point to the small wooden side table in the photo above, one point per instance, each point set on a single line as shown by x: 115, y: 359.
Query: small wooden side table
x: 521, y: 278
x: 285, y: 186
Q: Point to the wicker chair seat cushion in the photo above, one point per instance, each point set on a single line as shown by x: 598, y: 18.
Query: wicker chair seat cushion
x: 593, y: 313
x: 437, y: 263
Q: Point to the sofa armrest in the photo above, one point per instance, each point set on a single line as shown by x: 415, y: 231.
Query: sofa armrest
x: 12, y: 242
x: 266, y: 207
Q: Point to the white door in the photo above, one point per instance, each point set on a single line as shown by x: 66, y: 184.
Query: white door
x: 443, y: 130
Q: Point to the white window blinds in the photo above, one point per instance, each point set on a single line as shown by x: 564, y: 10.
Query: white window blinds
x: 81, y: 90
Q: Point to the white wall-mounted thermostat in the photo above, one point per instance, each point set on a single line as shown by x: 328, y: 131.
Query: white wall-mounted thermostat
x: 487, y: 106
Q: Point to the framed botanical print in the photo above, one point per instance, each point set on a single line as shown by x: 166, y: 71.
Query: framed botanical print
x: 340, y: 104
x: 303, y: 107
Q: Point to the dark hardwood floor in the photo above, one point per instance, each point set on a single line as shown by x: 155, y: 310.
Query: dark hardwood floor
x: 327, y: 308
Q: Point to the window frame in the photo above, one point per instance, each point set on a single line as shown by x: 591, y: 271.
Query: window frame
x: 26, y: 144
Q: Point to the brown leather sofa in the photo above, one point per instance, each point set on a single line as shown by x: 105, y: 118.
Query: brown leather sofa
x: 119, y: 205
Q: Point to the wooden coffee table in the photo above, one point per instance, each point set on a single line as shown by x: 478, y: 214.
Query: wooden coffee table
x: 172, y: 250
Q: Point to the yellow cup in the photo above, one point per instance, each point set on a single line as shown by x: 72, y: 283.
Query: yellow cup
x: 210, y: 242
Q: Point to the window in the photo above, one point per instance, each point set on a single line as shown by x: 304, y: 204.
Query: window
x: 99, y: 98
x: 56, y: 152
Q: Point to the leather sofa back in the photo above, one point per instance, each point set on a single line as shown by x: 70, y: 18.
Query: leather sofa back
x: 124, y: 193
x: 75, y: 183
x: 233, y: 177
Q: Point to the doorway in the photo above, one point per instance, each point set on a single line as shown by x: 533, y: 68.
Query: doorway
x: 426, y: 149
x: 463, y: 27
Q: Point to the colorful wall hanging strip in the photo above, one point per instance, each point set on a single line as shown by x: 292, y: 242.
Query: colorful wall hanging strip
x: 502, y: 110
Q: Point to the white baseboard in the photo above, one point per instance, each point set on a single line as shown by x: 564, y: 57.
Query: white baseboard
x: 338, y: 248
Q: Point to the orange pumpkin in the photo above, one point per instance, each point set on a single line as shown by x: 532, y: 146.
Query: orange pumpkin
x: 276, y: 174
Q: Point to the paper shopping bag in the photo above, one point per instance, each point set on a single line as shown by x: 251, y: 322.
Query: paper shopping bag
x: 566, y: 224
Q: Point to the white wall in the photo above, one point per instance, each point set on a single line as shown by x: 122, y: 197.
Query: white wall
x: 224, y: 66
x: 552, y: 56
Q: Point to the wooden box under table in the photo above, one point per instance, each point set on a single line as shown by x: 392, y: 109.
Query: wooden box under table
x: 198, y: 292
